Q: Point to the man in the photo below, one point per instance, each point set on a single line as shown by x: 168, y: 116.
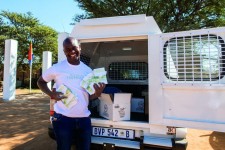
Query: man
x: 75, y: 121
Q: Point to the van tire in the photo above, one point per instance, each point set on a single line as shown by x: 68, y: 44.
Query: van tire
x: 51, y: 132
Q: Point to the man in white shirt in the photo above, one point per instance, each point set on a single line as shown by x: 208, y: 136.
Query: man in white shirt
x: 74, y: 121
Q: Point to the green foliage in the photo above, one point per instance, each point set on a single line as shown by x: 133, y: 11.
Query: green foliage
x: 171, y: 15
x: 25, y: 29
x: 179, y: 15
x: 108, y: 8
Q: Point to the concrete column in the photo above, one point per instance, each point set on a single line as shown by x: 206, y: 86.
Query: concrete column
x: 47, y: 63
x: 61, y: 37
x: 10, y: 65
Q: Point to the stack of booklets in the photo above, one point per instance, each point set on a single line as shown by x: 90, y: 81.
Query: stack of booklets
x: 96, y: 76
x: 71, y: 99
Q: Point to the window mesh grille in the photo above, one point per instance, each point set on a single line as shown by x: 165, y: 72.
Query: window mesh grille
x: 193, y: 58
x: 85, y: 59
x: 128, y: 71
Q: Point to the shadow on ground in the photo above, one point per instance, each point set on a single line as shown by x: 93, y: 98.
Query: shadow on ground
x: 24, y: 123
x: 217, y: 139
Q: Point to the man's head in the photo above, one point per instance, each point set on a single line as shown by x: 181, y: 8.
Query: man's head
x: 72, y: 50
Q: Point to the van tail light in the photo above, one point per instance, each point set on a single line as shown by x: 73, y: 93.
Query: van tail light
x: 52, y: 102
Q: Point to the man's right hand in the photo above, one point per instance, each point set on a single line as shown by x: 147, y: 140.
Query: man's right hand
x: 42, y: 84
x: 57, y: 96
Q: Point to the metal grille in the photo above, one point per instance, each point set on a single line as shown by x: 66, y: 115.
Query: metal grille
x: 193, y: 59
x: 128, y: 71
x: 85, y: 59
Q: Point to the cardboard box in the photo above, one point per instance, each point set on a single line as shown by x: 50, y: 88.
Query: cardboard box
x: 116, y: 107
x: 138, y: 105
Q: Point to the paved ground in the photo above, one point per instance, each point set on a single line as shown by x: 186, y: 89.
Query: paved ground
x: 24, y: 121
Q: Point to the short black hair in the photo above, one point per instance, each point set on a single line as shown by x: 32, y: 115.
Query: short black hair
x: 68, y: 40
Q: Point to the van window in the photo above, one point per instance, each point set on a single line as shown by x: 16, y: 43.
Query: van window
x: 194, y: 58
x: 128, y: 71
x: 85, y: 59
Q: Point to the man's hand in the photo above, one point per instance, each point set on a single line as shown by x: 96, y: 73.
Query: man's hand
x: 57, y: 96
x: 98, y: 90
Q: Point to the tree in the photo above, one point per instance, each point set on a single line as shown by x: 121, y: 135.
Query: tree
x: 25, y: 29
x: 171, y: 15
x: 180, y: 15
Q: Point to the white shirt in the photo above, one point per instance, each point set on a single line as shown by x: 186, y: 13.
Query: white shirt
x: 71, y: 76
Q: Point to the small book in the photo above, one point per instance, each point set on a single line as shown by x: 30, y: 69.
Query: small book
x: 96, y: 76
x: 71, y: 99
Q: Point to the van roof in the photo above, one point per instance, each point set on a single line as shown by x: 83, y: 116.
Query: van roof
x: 119, y: 26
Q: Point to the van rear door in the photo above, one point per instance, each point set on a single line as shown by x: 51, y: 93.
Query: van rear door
x: 187, y: 85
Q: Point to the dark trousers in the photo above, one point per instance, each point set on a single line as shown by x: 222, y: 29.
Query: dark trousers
x: 72, y: 130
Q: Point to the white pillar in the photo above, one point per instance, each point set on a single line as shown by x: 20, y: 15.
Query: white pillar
x: 61, y: 37
x: 10, y: 65
x: 47, y: 63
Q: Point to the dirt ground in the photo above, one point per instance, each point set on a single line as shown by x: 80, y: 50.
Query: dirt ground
x: 24, y: 122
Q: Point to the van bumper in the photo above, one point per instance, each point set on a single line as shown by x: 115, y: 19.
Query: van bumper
x: 145, y: 143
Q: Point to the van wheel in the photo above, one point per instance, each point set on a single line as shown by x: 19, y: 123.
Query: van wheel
x: 51, y: 132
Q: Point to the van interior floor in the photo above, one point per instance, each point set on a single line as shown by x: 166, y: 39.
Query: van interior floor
x: 133, y: 116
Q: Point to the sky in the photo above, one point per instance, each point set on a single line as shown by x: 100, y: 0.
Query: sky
x: 57, y: 14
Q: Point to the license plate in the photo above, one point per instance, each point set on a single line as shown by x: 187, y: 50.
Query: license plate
x: 113, y: 132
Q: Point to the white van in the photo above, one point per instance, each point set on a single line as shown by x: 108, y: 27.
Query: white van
x: 177, y: 77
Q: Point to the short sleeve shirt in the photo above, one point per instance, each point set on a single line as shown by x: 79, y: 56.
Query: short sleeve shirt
x: 70, y: 76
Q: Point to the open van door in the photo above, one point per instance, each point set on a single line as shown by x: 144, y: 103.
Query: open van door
x: 187, y: 79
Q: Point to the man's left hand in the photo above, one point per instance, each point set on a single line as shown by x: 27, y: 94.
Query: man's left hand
x: 98, y: 89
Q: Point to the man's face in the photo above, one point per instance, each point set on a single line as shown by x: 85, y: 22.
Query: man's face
x: 72, y: 51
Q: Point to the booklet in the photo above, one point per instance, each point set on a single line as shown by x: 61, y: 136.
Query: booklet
x: 96, y: 76
x: 71, y: 99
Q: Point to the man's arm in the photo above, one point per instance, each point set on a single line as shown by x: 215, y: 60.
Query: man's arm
x: 42, y: 84
x: 98, y: 90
